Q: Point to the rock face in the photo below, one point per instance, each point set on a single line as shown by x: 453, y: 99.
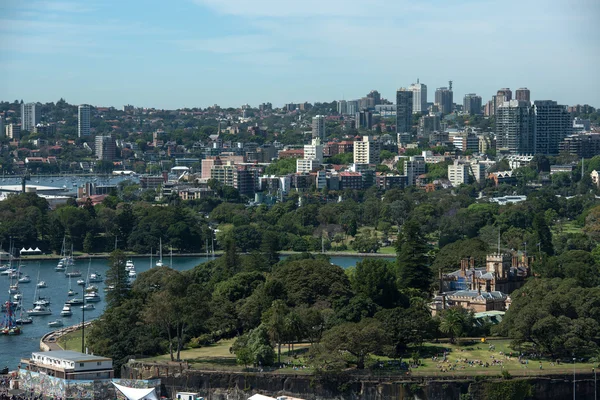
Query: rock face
x: 240, y: 386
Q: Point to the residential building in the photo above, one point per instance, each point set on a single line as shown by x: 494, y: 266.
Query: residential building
x: 386, y: 110
x: 444, y: 100
x: 485, y: 142
x: 318, y: 127
x: 553, y: 123
x: 313, y: 157
x: 352, y: 106
x: 458, y: 173
x: 419, y: 97
x: 30, y: 116
x: 583, y: 145
x: 581, y: 125
x: 595, y: 175
x: 404, y: 104
x: 207, y: 164
x: 105, y: 148
x: 13, y: 131
x: 504, y: 94
x: 413, y: 167
x: 2, y: 128
x: 364, y: 119
x: 376, y: 96
x: 390, y: 181
x: 342, y: 107
x: 429, y: 124
x: 467, y: 141
x: 472, y: 104
x: 523, y: 94
x: 83, y: 120
x: 478, y: 171
x: 515, y: 128
x: 351, y: 180
x: 366, y: 151
x: 556, y: 169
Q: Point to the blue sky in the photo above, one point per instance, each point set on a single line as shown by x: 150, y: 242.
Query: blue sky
x: 186, y: 53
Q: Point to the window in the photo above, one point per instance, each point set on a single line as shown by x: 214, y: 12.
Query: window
x: 99, y: 363
x: 81, y: 364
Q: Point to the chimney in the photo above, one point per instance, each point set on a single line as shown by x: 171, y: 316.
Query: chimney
x: 473, y: 286
x: 441, y: 288
x: 472, y: 262
x: 515, y: 261
x: 463, y: 266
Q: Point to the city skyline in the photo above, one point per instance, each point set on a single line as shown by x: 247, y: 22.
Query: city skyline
x: 203, y: 52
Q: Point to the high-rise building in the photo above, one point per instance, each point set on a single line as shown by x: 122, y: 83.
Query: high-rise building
x: 318, y: 127
x: 342, y: 107
x: 552, y: 124
x: 364, y: 119
x: 105, y: 148
x: 366, y: 151
x: 472, y: 104
x: 429, y: 124
x: 419, y: 97
x: 444, y: 100
x: 458, y: 173
x: 30, y: 116
x: 404, y: 105
x: 376, y: 96
x: 83, y: 120
x: 504, y: 94
x: 13, y: 131
x: 352, y: 107
x: 515, y: 128
x: 523, y: 94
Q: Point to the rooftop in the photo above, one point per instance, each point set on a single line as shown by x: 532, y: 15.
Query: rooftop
x: 71, y: 356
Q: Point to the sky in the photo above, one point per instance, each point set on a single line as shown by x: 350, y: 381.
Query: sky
x: 196, y: 53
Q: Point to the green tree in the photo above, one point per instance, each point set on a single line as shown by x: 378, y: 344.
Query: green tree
x: 454, y: 321
x: 116, y: 278
x: 88, y: 243
x: 411, y: 250
x: 544, y: 236
x: 374, y: 278
x: 274, y: 321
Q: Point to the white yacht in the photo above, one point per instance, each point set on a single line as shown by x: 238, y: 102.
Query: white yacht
x: 95, y: 277
x: 24, y: 279
x: 88, y: 307
x: 66, y: 311
x: 91, y: 288
x: 75, y: 302
x: 129, y: 265
x: 39, y: 310
x: 80, y: 282
x: 42, y: 284
x: 92, y: 297
x: 55, y: 324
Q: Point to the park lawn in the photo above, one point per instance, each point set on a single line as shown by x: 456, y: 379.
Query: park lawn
x: 567, y: 227
x: 71, y: 341
x: 218, y: 357
x: 481, y: 351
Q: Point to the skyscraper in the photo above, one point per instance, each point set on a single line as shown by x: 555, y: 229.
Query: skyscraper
x: 552, y: 124
x: 404, y: 105
x: 342, y: 107
x: 30, y: 116
x: 515, y: 128
x: 444, y: 100
x: 523, y: 94
x: 318, y: 127
x: 419, y: 97
x: 364, y: 119
x: 472, y: 104
x: 376, y: 96
x: 83, y: 120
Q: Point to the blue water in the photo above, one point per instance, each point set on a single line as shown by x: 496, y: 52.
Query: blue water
x: 13, y: 348
x: 69, y: 183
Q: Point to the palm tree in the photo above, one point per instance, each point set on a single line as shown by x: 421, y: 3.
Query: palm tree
x: 452, y: 323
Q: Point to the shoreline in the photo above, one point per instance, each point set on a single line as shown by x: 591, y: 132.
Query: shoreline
x: 46, y: 257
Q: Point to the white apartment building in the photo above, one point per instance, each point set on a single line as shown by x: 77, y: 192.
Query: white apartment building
x: 458, y: 173
x: 366, y: 151
x: 419, y: 97
x: 313, y: 157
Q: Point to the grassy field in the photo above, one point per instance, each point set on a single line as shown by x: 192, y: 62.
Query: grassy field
x: 466, y: 361
x: 566, y: 227
x: 218, y: 357
x: 461, y: 360
x: 71, y: 341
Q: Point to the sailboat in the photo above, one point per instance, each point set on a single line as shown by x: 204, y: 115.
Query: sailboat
x: 62, y: 263
x: 71, y: 292
x: 159, y: 263
x: 23, y: 317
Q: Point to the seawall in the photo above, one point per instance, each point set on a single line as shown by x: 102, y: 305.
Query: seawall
x: 239, y: 386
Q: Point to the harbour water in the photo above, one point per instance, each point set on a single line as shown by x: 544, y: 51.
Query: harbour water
x: 13, y: 348
x: 68, y: 183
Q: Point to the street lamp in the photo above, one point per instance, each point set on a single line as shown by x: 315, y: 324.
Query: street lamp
x: 573, y: 378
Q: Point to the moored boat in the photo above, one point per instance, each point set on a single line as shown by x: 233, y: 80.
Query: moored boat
x: 56, y: 323
x: 88, y: 307
x: 92, y: 297
x: 39, y: 310
x: 42, y: 284
x: 95, y: 277
x: 24, y: 279
x: 66, y: 311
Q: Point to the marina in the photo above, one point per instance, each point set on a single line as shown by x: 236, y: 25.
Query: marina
x: 15, y: 347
